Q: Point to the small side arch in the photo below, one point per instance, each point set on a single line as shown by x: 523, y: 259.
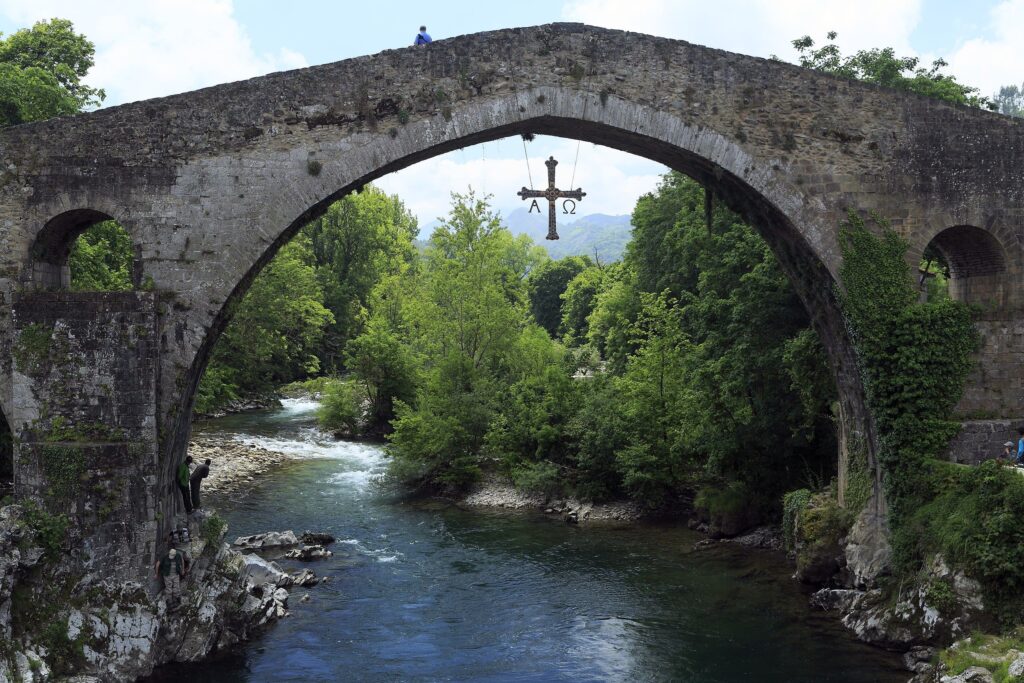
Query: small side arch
x: 49, y: 267
x: 976, y: 265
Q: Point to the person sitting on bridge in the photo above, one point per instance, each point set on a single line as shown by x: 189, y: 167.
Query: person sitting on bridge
x: 183, y: 483
x: 198, y: 474
x: 422, y: 38
x: 171, y: 569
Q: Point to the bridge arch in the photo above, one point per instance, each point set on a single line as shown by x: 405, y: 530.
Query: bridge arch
x: 760, y: 192
x: 48, y: 267
x: 977, y: 262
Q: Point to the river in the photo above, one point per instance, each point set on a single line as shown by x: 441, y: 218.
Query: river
x: 429, y: 592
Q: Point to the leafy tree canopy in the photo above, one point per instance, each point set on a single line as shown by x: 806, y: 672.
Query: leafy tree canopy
x: 882, y: 67
x: 41, y: 72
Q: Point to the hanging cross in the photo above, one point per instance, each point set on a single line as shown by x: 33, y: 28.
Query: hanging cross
x: 552, y: 194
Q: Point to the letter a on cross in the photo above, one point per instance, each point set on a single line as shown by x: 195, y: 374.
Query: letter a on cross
x: 552, y: 194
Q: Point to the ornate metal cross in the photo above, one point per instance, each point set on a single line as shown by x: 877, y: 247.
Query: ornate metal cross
x: 553, y: 194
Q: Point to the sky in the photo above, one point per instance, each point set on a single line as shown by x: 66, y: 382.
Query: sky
x: 152, y: 48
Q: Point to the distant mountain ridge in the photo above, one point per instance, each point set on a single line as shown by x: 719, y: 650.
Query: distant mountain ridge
x: 593, y: 235
x: 596, y: 234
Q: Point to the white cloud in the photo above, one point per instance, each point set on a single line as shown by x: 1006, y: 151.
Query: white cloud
x: 161, y: 47
x: 613, y: 180
x: 758, y: 27
x: 991, y: 63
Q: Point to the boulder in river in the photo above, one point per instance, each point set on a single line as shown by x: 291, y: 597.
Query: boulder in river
x: 308, y: 552
x: 305, y: 578
x: 314, y: 538
x: 276, y: 540
x: 260, y: 571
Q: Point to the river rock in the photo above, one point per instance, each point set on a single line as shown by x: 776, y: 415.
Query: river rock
x: 868, y: 554
x: 974, y: 674
x: 314, y: 538
x: 767, y: 537
x: 276, y: 540
x: 308, y: 552
x: 259, y: 571
x: 305, y: 578
x: 1016, y: 667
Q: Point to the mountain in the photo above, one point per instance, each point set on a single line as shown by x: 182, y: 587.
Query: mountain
x: 600, y: 234
x: 597, y: 234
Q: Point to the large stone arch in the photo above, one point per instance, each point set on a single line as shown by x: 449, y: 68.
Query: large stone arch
x: 213, y: 182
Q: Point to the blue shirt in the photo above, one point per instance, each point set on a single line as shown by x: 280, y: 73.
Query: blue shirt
x: 422, y: 38
x: 1020, y: 449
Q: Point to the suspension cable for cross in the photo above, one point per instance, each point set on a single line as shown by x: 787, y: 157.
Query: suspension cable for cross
x: 527, y: 157
x: 572, y: 180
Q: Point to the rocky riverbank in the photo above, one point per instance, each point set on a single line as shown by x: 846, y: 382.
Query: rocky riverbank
x: 57, y: 620
x: 495, y: 492
x: 234, y: 465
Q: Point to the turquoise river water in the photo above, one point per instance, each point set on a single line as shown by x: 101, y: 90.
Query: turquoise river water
x: 429, y: 592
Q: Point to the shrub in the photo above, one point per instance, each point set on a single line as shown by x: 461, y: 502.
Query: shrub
x: 341, y: 408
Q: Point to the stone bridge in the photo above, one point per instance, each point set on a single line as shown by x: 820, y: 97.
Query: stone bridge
x: 98, y: 388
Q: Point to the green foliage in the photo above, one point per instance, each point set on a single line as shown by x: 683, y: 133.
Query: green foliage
x: 914, y: 357
x: 50, y: 531
x: 546, y: 284
x: 387, y: 372
x: 972, y: 516
x: 41, y: 72
x: 883, y: 67
x: 361, y: 239
x: 276, y: 330
x: 32, y: 348
x: 212, y: 530
x: 1010, y: 100
x: 793, y: 505
x: 578, y: 301
x: 64, y: 468
x: 341, y: 408
x: 101, y: 259
x: 991, y: 652
x: 819, y: 528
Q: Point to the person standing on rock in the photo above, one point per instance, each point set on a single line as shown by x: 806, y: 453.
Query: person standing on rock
x: 422, y: 38
x: 200, y: 473
x: 171, y: 569
x: 183, y: 483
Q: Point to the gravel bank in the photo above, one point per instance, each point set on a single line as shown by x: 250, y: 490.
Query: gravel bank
x: 234, y: 466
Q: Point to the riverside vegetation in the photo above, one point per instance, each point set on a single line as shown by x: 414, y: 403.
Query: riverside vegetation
x: 684, y: 377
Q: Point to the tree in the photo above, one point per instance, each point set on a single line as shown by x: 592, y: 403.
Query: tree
x: 578, y: 302
x: 101, y: 259
x: 386, y: 370
x: 546, y: 285
x: 41, y: 72
x: 361, y: 239
x: 882, y: 67
x: 1010, y: 100
x: 274, y: 334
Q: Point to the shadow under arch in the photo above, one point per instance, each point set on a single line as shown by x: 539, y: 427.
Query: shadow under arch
x: 6, y: 456
x: 977, y: 264
x: 53, y: 245
x: 811, y: 278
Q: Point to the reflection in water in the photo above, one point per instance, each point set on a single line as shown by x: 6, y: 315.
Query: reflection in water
x: 427, y: 592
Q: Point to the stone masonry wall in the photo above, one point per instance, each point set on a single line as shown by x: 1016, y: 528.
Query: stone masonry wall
x: 981, y: 440
x: 85, y: 380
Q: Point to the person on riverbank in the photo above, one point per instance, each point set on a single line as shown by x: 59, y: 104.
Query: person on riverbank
x: 422, y: 38
x: 183, y: 483
x: 171, y: 569
x: 196, y: 480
